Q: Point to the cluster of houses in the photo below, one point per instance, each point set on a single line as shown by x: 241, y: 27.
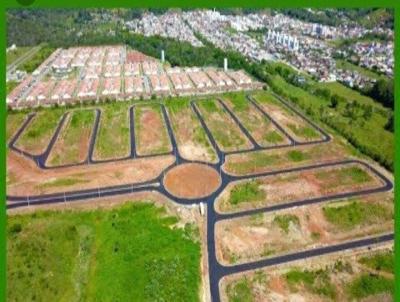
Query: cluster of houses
x: 113, y: 72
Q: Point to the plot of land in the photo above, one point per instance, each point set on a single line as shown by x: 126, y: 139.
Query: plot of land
x: 191, y: 137
x: 72, y: 144
x: 93, y: 256
x: 258, y: 125
x: 113, y: 138
x: 226, y: 133
x: 14, y: 122
x: 269, y: 190
x: 25, y: 178
x: 38, y: 133
x: 150, y: 131
x: 283, y: 158
x: 327, y: 278
x: 259, y: 236
x: 290, y: 121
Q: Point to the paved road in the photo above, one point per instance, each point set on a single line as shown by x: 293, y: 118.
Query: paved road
x: 216, y: 270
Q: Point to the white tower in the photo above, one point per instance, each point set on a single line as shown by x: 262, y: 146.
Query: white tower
x: 225, y: 64
x: 162, y: 56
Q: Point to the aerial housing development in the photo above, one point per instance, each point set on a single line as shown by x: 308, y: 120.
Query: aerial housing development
x: 200, y: 155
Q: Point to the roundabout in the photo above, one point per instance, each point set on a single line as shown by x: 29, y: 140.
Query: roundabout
x: 192, y: 181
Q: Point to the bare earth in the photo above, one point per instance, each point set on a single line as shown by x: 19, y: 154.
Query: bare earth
x: 28, y: 179
x: 192, y: 181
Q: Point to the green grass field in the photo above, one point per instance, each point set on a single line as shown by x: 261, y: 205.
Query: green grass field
x: 13, y: 55
x: 113, y: 139
x: 246, y: 192
x: 259, y: 127
x: 343, y: 64
x: 226, y: 133
x: 73, y: 141
x: 291, y: 122
x: 14, y: 122
x: 129, y: 253
x: 383, y: 261
x: 38, y: 133
x: 356, y: 213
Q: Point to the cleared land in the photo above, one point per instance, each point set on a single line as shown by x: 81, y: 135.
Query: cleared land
x: 260, y: 236
x: 14, y: 122
x: 99, y: 253
x: 288, y: 157
x: 226, y: 133
x: 192, y: 140
x: 38, y: 133
x: 150, y: 130
x: 258, y: 125
x: 290, y: 121
x: 327, y: 278
x: 192, y: 181
x: 269, y: 190
x: 113, y: 138
x: 73, y: 141
x: 13, y: 55
x: 25, y: 178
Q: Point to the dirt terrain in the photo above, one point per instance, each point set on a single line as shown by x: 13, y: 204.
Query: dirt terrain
x: 270, y: 284
x: 187, y: 130
x: 296, y: 186
x: 259, y: 236
x: 25, y: 178
x: 150, y: 131
x: 192, y: 181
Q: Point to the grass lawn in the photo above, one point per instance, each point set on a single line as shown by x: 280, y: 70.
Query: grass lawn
x: 246, y: 192
x: 13, y: 55
x: 113, y: 139
x: 224, y: 130
x: 356, y: 214
x: 37, y: 135
x: 129, y: 252
x: 259, y: 126
x: 14, y: 122
x: 73, y: 141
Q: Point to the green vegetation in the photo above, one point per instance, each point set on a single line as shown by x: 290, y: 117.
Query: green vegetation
x: 133, y: 250
x: 113, y: 140
x: 226, y: 133
x: 284, y: 221
x: 14, y: 122
x: 13, y: 55
x: 259, y: 127
x: 356, y: 213
x: 246, y: 192
x: 32, y: 63
x: 361, y: 120
x: 38, y: 133
x: 297, y: 155
x: 62, y: 182
x: 73, y: 141
x: 240, y: 291
x: 346, y: 65
x: 383, y: 261
x: 317, y: 282
x: 292, y: 122
x: 10, y: 85
x: 368, y: 285
x: 344, y: 176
